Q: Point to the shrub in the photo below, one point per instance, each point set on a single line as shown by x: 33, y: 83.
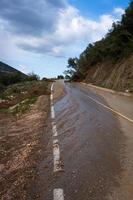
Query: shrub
x: 32, y: 77
x: 11, y: 78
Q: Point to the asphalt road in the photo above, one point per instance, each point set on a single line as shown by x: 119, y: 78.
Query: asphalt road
x: 91, y: 145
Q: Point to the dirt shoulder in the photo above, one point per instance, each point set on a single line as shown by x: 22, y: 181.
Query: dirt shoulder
x: 59, y: 90
x: 21, y: 149
x: 127, y: 94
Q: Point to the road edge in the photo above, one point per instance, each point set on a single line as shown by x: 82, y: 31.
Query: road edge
x: 107, y: 90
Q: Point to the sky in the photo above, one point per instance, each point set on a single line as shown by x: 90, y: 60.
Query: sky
x: 40, y: 35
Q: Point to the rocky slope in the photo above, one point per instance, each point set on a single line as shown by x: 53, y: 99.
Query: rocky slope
x: 118, y: 77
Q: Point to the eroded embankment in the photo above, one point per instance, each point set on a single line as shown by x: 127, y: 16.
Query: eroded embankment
x: 117, y: 76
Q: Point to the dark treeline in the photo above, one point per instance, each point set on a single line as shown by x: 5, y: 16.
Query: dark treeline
x: 116, y: 45
x: 12, y: 78
x: 7, y: 79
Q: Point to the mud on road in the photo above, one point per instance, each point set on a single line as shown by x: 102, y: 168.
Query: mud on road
x: 22, y: 142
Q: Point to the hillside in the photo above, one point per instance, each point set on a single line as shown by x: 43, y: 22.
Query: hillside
x: 118, y: 76
x: 10, y: 75
x: 6, y: 69
x: 108, y: 62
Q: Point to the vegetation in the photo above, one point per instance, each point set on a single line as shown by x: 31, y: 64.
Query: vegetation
x: 19, y: 91
x: 11, y: 78
x: 116, y: 45
x: 60, y: 77
x: 10, y: 75
x: 22, y: 107
x: 17, y: 98
x: 32, y: 77
x: 4, y: 68
x: 16, y: 77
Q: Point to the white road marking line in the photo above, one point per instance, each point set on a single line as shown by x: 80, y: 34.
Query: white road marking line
x: 56, y: 154
x: 121, y: 115
x: 52, y: 86
x: 54, y: 129
x: 51, y: 97
x: 58, y: 194
x: 52, y: 112
x: 55, y: 141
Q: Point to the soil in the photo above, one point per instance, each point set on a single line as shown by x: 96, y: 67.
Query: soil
x: 118, y: 76
x: 59, y: 90
x: 21, y: 147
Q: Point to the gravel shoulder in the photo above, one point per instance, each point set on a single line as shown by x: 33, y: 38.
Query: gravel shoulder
x: 21, y: 141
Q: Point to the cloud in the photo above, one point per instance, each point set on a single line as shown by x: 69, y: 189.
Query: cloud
x: 73, y: 27
x: 50, y: 27
x: 22, y: 18
x: 71, y: 30
x: 24, y: 69
x: 119, y: 11
x: 58, y: 3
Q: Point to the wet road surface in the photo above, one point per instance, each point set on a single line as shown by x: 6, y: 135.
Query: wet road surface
x: 91, y: 149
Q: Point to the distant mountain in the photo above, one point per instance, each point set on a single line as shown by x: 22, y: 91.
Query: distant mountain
x: 6, y: 69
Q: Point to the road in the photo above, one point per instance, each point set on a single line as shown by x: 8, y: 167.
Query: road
x: 86, y: 151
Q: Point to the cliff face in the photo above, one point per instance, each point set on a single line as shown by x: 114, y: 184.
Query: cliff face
x: 117, y: 76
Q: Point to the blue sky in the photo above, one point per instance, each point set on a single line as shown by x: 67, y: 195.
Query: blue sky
x: 98, y: 7
x: 41, y: 38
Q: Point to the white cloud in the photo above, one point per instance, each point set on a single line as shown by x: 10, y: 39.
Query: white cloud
x: 71, y: 34
x: 72, y: 31
x: 119, y: 11
x: 24, y: 69
x: 72, y: 27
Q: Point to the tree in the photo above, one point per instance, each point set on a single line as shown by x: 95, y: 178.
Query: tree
x: 67, y: 76
x: 60, y: 77
x: 11, y: 78
x: 127, y: 19
x: 117, y: 44
x: 72, y: 63
x: 33, y: 77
